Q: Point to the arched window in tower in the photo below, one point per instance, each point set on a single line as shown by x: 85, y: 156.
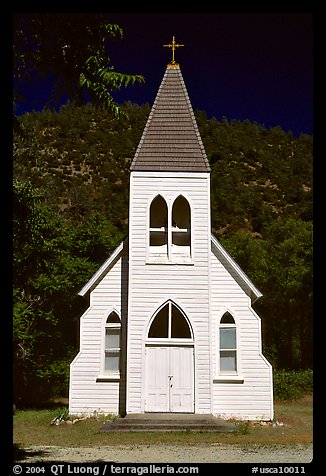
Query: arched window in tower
x: 158, y: 226
x: 228, y: 344
x: 112, y: 343
x: 181, y: 227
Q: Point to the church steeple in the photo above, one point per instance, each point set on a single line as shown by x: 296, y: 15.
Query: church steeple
x: 171, y: 141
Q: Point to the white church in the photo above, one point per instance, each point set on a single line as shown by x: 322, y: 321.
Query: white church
x: 170, y: 326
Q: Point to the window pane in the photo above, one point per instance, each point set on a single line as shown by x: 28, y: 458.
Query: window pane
x: 180, y: 326
x: 112, y: 338
x: 112, y: 361
x: 180, y: 238
x: 113, y: 318
x: 227, y: 338
x: 159, y: 327
x: 228, y: 361
x: 158, y: 213
x: 227, y: 319
x: 158, y: 238
x: 181, y: 213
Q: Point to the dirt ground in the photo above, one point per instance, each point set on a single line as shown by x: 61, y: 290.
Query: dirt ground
x: 212, y: 453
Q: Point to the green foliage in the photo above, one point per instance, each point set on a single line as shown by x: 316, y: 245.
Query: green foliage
x: 98, y: 80
x: 288, y: 287
x: 52, y: 259
x: 243, y: 427
x: 56, y: 375
x: 94, y: 237
x: 280, y: 262
x: 291, y: 384
x: 71, y: 49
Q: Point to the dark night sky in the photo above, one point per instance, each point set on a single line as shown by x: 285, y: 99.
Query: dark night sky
x: 240, y: 65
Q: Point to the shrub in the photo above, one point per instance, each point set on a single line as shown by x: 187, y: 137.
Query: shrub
x: 292, y: 384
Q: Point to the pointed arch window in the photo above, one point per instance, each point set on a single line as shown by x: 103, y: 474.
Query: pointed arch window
x: 170, y: 229
x: 112, y: 344
x: 228, y: 344
x: 169, y: 323
x: 181, y: 230
x: 158, y: 231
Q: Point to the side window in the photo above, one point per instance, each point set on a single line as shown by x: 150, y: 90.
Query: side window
x: 158, y: 226
x: 228, y: 345
x: 181, y: 227
x: 112, y: 343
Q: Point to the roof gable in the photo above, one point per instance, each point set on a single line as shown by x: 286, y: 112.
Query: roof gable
x: 171, y: 140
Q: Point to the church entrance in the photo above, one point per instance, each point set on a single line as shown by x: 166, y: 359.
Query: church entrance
x: 169, y: 362
x: 170, y: 379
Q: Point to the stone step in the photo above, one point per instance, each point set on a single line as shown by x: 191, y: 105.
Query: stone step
x: 199, y: 428
x: 168, y: 422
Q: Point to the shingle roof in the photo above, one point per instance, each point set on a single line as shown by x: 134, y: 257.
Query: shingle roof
x: 171, y: 140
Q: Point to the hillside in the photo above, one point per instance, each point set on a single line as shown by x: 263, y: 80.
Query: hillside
x: 79, y: 158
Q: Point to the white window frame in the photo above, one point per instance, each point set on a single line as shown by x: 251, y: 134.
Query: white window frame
x: 161, y: 230
x: 115, y: 351
x: 227, y: 377
x: 231, y: 349
x: 169, y: 254
x: 169, y: 339
x: 174, y: 255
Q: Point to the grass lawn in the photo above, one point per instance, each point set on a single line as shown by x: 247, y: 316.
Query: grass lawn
x: 32, y: 427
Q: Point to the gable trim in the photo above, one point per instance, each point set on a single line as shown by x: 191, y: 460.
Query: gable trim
x: 237, y: 273
x: 103, y: 269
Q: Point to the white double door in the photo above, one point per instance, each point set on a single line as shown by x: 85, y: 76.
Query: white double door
x: 169, y: 379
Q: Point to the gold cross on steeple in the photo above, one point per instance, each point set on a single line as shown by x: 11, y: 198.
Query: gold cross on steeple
x: 173, y: 46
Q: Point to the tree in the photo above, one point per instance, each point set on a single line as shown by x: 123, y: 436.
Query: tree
x: 281, y: 266
x: 52, y: 260
x: 32, y: 319
x: 288, y: 288
x: 70, y: 49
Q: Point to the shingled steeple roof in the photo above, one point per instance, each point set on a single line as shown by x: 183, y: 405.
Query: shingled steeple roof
x: 171, y: 141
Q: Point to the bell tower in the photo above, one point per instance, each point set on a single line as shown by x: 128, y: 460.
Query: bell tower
x: 169, y: 235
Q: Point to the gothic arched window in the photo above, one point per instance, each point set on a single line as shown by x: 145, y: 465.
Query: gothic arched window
x: 169, y: 323
x: 228, y: 344
x: 112, y: 343
x: 158, y: 226
x: 181, y: 226
x: 170, y: 229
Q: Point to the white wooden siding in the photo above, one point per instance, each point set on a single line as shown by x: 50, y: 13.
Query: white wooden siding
x: 86, y: 394
x: 150, y: 285
x: 253, y: 398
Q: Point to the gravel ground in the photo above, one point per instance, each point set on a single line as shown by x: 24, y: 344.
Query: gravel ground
x: 213, y: 453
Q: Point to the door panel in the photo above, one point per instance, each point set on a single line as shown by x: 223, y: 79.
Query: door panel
x: 157, y: 363
x: 170, y: 379
x: 182, y: 381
